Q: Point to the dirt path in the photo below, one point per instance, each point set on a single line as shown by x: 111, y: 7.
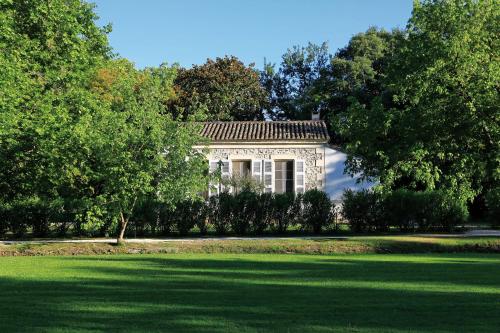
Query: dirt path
x: 473, y: 233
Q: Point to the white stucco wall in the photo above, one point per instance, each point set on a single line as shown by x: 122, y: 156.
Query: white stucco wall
x: 311, y: 153
x: 324, y: 165
x: 336, y: 180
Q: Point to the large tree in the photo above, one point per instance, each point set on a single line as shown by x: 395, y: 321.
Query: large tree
x: 310, y: 80
x: 290, y: 87
x: 81, y: 134
x: 137, y: 151
x: 441, y: 127
x: 356, y: 73
x: 227, y: 89
x: 48, y: 50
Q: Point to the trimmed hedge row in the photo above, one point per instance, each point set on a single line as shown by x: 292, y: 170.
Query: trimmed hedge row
x: 243, y: 213
x: 252, y: 213
x: 402, y: 209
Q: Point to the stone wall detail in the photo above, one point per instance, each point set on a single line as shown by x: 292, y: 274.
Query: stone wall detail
x: 312, y: 157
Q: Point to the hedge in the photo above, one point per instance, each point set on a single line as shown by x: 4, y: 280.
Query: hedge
x: 404, y: 210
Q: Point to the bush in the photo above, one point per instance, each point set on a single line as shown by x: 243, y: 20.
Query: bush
x: 146, y: 215
x: 403, y: 209
x: 317, y: 210
x: 362, y: 210
x: 188, y: 213
x: 407, y: 210
x: 493, y: 204
x: 166, y: 219
x: 424, y: 211
x: 201, y: 217
x: 447, y: 212
x: 4, y: 216
x: 264, y: 213
x: 244, y: 211
x: 220, y: 212
x: 282, y: 211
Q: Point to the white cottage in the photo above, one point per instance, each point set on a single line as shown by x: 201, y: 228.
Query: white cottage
x: 286, y: 156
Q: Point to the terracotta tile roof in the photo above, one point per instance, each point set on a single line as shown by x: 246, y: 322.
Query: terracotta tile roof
x: 311, y: 130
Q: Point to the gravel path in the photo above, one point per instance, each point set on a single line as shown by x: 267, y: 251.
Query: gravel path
x: 473, y: 233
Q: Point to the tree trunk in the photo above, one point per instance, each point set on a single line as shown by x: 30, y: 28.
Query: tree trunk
x: 123, y: 226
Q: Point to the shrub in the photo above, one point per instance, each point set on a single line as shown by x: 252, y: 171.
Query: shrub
x: 317, y: 210
x: 264, y: 213
x: 282, y: 209
x: 493, y: 204
x: 4, y: 217
x: 199, y: 209
x: 186, y: 215
x: 244, y: 211
x: 447, y: 212
x: 403, y: 209
x: 362, y: 210
x: 166, y: 219
x: 220, y: 212
x: 145, y: 216
x: 18, y: 218
x: 424, y: 211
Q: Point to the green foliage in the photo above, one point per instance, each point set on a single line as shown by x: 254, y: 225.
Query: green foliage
x: 290, y: 87
x: 84, y: 136
x: 242, y: 183
x: 407, y: 210
x: 166, y: 219
x: 361, y: 209
x: 226, y: 88
x: 4, y: 215
x: 246, y: 204
x: 317, y: 210
x: 403, y: 209
x: 493, y: 204
x: 264, y: 212
x: 220, y: 212
x: 440, y: 127
x: 151, y: 153
x: 49, y: 51
x: 283, y: 213
x: 185, y: 217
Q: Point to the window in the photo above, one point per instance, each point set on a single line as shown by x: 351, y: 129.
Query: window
x: 242, y: 168
x: 283, y: 176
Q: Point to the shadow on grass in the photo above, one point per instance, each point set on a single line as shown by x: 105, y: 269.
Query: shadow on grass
x: 242, y: 293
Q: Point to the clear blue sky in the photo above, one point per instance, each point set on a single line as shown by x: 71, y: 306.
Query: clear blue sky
x: 149, y: 32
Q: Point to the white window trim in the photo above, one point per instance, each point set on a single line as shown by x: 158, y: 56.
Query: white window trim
x: 296, y: 173
x: 268, y: 173
x: 257, y: 175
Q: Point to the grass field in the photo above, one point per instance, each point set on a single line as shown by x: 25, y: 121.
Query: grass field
x: 350, y: 245
x: 251, y: 293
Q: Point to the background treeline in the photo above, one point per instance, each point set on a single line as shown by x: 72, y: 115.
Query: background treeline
x: 85, y: 136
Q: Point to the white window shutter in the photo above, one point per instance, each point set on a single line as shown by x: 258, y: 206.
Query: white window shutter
x: 300, y: 176
x: 257, y: 170
x: 268, y: 176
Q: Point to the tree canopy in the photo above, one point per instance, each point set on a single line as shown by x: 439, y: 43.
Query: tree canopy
x: 84, y: 135
x: 290, y: 86
x: 227, y: 89
x: 440, y: 128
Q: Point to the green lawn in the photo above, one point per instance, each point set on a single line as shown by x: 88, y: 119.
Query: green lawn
x: 251, y: 293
